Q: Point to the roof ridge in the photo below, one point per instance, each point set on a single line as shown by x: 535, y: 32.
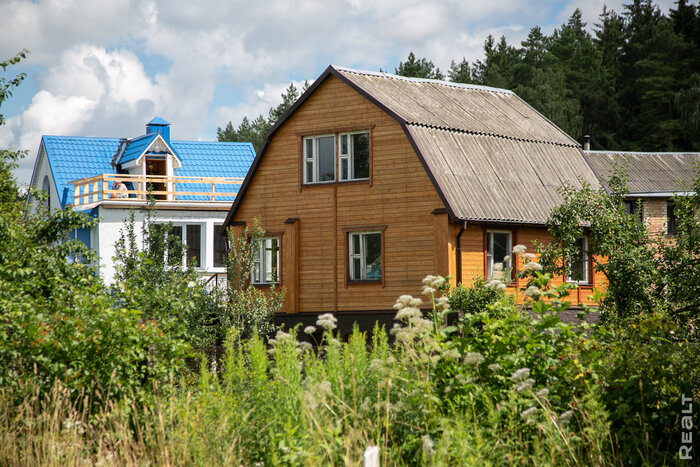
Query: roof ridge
x: 383, y: 74
x: 597, y: 151
x: 495, y: 135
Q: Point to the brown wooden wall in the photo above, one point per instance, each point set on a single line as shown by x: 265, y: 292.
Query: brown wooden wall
x: 399, y: 196
x: 474, y: 259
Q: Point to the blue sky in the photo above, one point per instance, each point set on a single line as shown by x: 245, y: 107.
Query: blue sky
x: 105, y: 68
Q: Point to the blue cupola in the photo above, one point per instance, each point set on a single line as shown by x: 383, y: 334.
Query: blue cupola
x: 158, y: 125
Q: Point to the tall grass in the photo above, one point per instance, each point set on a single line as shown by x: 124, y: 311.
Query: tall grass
x: 289, y: 404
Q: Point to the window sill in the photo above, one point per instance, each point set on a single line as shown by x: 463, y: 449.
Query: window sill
x: 366, y: 281
x: 338, y: 182
x: 265, y: 286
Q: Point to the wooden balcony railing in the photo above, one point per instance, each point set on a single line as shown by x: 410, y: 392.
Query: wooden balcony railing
x: 163, y: 188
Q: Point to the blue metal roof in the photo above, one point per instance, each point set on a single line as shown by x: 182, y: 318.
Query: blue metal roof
x: 75, y: 157
x: 158, y: 121
x: 212, y: 159
x: 136, y: 147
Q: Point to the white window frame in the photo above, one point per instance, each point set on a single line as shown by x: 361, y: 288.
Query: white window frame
x: 584, y: 261
x: 362, y: 257
x: 348, y: 155
x: 264, y: 263
x: 202, y: 243
x: 489, y: 251
x: 313, y: 159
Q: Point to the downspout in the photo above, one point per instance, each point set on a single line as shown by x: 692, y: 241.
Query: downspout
x: 459, y: 252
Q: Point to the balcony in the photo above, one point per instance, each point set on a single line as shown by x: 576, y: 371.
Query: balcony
x: 175, y: 189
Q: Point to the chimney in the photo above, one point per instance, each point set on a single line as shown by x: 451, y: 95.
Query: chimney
x: 586, y: 142
x: 158, y: 125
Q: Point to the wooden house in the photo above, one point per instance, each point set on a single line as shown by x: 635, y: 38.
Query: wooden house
x: 372, y: 181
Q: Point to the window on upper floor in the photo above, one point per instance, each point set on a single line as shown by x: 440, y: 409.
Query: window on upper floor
x: 499, y: 247
x: 353, y: 156
x: 320, y: 157
x: 365, y: 256
x: 266, y: 260
x: 577, y: 270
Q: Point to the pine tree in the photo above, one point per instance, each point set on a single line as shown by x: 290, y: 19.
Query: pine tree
x: 421, y: 68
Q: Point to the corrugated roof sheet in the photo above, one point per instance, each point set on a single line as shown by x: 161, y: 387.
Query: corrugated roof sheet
x: 136, y: 147
x: 474, y: 109
x: 75, y: 157
x: 656, y: 172
x: 487, y: 178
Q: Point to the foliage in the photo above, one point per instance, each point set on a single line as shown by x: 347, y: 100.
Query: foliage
x: 418, y: 68
x: 152, y: 278
x: 242, y: 305
x: 254, y: 131
x: 646, y: 273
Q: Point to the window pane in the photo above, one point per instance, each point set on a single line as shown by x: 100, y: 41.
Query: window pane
x: 373, y: 255
x: 356, y: 268
x: 577, y: 269
x: 671, y: 216
x: 309, y: 174
x: 309, y: 148
x: 194, y: 245
x: 344, y: 168
x: 355, y: 244
x: 500, y: 247
x: 175, y: 246
x: 360, y: 155
x: 219, y: 246
x: 326, y: 159
x: 343, y: 144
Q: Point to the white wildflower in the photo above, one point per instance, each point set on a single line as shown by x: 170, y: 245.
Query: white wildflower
x: 529, y: 256
x: 281, y: 337
x: 428, y: 280
x: 506, y: 258
x: 498, y: 266
x: 524, y: 386
x: 565, y: 417
x: 532, y: 291
x: 520, y: 375
x: 494, y: 284
x: 532, y: 266
x: 324, y: 387
x: 327, y: 321
x: 403, y: 336
x: 405, y: 299
x: 408, y: 314
x: 528, y: 414
x: 305, y: 346
x: 438, y: 282
x: 309, y: 330
x: 428, y: 291
x: 428, y: 446
x: 473, y: 358
x: 542, y: 393
x: 415, y: 302
x: 494, y: 367
x: 519, y: 249
x: 450, y: 354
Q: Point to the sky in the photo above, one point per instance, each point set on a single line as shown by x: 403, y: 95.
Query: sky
x: 107, y: 67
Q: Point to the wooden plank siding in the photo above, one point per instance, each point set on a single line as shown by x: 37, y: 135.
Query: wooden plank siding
x: 401, y: 197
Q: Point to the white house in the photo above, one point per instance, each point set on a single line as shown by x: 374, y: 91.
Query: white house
x: 193, y: 182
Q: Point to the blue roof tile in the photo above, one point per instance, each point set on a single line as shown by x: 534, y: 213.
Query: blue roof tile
x: 75, y: 157
x: 158, y: 121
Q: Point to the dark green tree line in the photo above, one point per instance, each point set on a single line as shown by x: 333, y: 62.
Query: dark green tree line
x: 632, y: 84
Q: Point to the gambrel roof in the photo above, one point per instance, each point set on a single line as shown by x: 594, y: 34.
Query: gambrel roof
x: 660, y: 173
x: 490, y: 155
